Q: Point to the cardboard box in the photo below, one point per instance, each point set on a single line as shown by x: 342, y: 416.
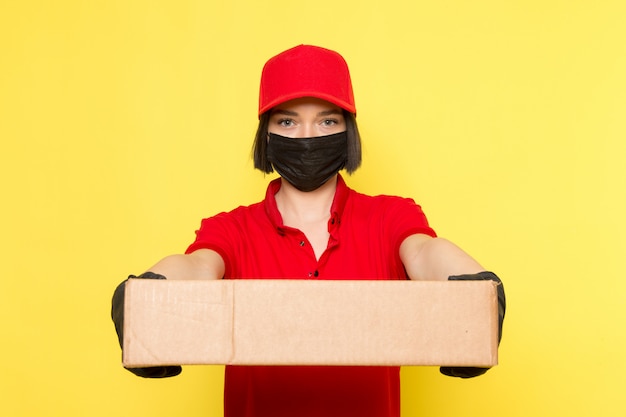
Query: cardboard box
x: 302, y: 322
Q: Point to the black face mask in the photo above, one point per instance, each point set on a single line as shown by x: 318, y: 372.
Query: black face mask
x: 307, y: 163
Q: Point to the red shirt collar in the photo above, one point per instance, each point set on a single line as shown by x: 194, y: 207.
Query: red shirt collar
x: 336, y: 209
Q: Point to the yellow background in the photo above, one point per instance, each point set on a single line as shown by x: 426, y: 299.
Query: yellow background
x: 123, y: 123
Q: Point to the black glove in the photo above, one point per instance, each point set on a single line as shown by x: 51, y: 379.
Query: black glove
x: 117, y: 314
x: 470, y: 372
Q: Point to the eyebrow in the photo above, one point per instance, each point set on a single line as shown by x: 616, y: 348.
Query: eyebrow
x: 329, y: 112
x: 284, y: 112
x: 293, y: 113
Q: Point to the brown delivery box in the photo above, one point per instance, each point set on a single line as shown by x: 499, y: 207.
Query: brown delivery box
x: 301, y: 322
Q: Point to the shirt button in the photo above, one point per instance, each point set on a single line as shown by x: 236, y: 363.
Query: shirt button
x: 302, y: 243
x: 316, y: 274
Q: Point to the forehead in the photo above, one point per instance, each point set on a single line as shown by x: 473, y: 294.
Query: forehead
x: 306, y: 104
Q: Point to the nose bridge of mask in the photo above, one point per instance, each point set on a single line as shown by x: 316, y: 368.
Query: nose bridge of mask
x: 335, y: 136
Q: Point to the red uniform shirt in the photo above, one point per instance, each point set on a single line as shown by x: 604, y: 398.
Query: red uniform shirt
x: 365, y: 237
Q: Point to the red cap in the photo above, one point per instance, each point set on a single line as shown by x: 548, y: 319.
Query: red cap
x: 306, y: 71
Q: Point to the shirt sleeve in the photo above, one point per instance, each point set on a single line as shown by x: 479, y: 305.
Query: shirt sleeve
x: 217, y: 233
x: 406, y: 218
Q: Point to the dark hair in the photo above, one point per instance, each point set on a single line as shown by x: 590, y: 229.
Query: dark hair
x: 259, y: 148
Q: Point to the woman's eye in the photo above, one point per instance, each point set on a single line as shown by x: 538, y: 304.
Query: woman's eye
x: 285, y: 122
x: 330, y: 122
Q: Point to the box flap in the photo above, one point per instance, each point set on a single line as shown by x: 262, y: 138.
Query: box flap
x: 171, y: 322
x: 365, y: 322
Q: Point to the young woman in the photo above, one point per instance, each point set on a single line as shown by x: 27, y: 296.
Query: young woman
x: 311, y: 225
